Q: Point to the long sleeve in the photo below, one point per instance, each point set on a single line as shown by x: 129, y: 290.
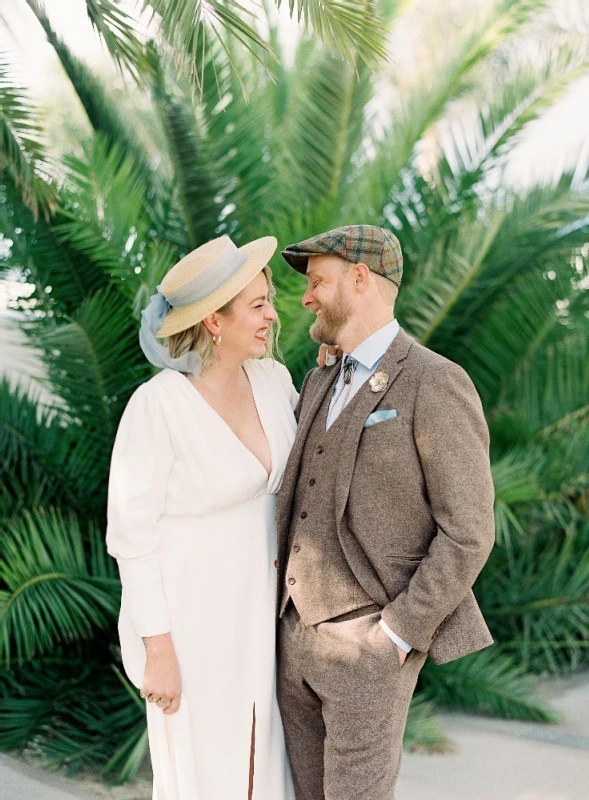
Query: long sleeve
x: 452, y: 441
x: 142, y: 459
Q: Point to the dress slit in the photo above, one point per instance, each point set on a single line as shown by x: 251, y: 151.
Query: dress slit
x: 250, y: 792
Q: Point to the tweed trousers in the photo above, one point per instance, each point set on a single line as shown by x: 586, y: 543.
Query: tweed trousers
x: 344, y: 698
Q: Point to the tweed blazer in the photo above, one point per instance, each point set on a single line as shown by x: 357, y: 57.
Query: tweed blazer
x: 413, y: 496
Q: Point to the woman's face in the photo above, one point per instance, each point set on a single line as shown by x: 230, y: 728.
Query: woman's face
x: 246, y: 325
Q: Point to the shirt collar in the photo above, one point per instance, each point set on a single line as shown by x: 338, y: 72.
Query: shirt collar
x: 371, y: 350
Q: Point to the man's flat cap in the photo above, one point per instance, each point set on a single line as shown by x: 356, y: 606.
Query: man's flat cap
x: 376, y: 247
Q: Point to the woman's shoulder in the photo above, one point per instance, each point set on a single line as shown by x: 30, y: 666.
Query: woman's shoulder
x: 270, y: 367
x: 150, y: 392
x: 277, y: 376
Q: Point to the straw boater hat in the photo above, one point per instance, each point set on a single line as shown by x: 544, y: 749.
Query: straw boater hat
x: 215, y: 272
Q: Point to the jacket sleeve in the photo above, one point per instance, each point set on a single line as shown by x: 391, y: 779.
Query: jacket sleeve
x: 452, y: 441
x: 141, y: 463
x: 297, y: 411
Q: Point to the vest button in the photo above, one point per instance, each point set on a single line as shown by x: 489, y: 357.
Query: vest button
x: 303, y: 515
x: 291, y: 581
x: 276, y: 563
x: 296, y: 548
x: 312, y: 482
x: 319, y: 449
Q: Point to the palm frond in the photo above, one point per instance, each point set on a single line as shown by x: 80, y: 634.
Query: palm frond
x: 51, y: 596
x: 62, y: 277
x: 487, y: 682
x: 469, y: 152
x: 193, y: 160
x: 75, y: 711
x: 42, y: 461
x: 94, y: 363
x: 351, y: 28
x: 102, y: 112
x: 22, y: 155
x: 321, y: 138
x: 423, y: 730
x: 348, y: 27
x: 522, y: 324
x: 119, y: 32
x: 539, y: 599
x: 419, y: 107
x: 103, y: 216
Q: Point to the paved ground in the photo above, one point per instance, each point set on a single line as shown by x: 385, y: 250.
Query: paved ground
x: 492, y: 760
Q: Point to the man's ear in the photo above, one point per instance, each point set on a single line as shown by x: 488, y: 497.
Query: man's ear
x: 361, y: 276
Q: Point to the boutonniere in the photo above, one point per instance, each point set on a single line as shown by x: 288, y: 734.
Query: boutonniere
x: 379, y: 382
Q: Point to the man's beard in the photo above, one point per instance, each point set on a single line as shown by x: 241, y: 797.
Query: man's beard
x: 327, y: 326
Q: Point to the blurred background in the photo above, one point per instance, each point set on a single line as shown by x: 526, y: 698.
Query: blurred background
x: 131, y: 133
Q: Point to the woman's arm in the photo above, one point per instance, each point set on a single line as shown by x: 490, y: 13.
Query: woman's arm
x: 141, y: 463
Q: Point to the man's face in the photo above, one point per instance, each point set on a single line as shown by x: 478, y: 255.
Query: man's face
x: 328, y: 297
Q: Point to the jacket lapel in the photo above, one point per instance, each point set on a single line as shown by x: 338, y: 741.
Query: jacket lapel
x: 313, y: 399
x: 364, y: 403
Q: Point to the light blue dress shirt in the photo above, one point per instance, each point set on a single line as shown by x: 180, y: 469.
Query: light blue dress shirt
x: 368, y: 354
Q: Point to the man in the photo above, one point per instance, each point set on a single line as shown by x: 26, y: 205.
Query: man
x: 385, y: 519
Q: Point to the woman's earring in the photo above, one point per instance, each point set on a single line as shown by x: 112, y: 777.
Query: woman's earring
x: 217, y: 340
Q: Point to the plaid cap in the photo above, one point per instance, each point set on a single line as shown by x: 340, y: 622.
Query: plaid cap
x: 376, y: 247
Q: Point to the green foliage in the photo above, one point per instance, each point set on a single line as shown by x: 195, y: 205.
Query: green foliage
x: 488, y: 681
x: 495, y: 279
x: 21, y: 150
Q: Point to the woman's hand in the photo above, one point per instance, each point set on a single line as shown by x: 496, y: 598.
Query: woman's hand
x: 327, y: 353
x: 161, y: 681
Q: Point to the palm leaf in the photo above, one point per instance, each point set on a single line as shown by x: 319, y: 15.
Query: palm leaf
x: 22, y: 155
x: 62, y: 276
x: 186, y: 25
x: 119, y: 32
x: 489, y: 682
x: 351, y: 28
x: 76, y: 711
x: 42, y: 461
x: 104, y: 217
x: 423, y: 728
x: 94, y: 363
x: 103, y: 114
x: 193, y: 160
x: 470, y: 152
x: 51, y: 596
x: 539, y: 600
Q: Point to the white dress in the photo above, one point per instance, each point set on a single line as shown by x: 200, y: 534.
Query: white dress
x: 191, y: 522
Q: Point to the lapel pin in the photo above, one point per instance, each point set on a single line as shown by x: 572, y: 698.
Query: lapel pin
x: 379, y: 382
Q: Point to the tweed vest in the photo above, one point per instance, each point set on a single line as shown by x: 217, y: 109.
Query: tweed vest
x: 318, y: 577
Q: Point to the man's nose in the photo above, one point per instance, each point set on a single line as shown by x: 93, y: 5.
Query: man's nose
x: 307, y: 298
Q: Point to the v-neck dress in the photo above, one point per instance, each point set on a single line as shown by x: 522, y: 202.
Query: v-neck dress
x: 191, y: 522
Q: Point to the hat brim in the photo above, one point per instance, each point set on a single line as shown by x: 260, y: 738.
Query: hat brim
x: 258, y: 253
x: 298, y: 261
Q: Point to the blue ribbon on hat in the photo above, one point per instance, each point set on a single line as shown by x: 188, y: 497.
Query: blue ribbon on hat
x: 202, y: 285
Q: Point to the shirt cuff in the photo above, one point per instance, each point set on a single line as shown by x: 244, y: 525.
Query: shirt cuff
x: 396, y: 639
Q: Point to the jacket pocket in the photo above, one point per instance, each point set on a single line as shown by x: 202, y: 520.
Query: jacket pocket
x: 405, y: 559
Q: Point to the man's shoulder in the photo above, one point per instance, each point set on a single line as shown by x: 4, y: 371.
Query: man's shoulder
x: 436, y: 373
x: 427, y: 361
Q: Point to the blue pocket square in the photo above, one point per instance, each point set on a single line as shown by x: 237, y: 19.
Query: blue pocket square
x: 380, y: 416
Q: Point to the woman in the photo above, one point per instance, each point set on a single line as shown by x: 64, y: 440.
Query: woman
x: 197, y: 462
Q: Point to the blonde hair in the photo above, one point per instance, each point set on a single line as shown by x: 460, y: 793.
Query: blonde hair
x: 198, y: 337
